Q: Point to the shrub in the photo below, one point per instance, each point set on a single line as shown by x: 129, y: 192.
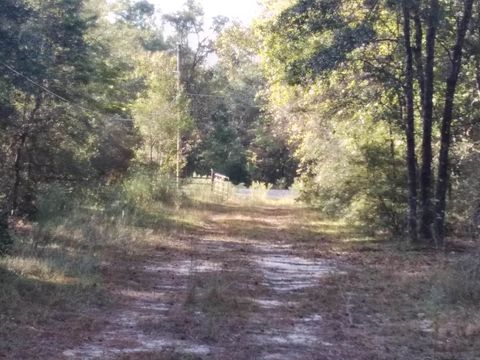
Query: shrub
x: 145, y: 186
x: 260, y: 190
x: 363, y: 182
x: 5, y: 239
x: 135, y: 195
x: 55, y: 201
x: 460, y: 283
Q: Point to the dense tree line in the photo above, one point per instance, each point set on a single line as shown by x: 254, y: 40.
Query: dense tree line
x: 90, y: 88
x: 218, y: 113
x: 49, y: 66
x: 372, y: 104
x: 390, y: 91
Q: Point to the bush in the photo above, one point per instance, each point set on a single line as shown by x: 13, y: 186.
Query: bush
x: 260, y: 190
x: 367, y: 192
x: 137, y: 193
x: 464, y: 206
x: 5, y: 239
x: 54, y: 202
x: 460, y: 284
x: 146, y: 186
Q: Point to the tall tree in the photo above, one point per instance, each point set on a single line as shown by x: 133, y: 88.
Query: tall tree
x: 426, y: 181
x: 68, y: 118
x: 12, y: 14
x: 410, y: 124
x: 446, y: 136
x: 323, y: 43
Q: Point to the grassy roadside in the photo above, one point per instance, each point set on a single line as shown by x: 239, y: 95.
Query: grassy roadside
x: 56, y: 276
x: 392, y: 301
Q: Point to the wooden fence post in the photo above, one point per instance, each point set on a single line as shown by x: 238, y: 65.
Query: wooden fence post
x: 212, y: 174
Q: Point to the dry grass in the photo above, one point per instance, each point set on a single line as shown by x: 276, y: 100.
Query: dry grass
x: 45, y: 280
x: 54, y: 274
x: 171, y: 354
x: 458, y: 283
x: 386, y: 309
x: 385, y: 303
x: 388, y: 302
x: 216, y: 295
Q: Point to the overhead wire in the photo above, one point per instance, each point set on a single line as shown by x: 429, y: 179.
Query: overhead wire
x: 50, y: 92
x: 115, y: 118
x: 224, y: 97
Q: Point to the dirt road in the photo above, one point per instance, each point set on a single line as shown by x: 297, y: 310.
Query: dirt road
x: 271, y: 283
x: 237, y: 288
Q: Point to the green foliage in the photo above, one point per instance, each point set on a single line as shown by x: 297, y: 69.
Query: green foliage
x: 312, y: 90
x: 465, y: 217
x: 359, y: 178
x: 271, y: 160
x: 138, y: 14
x: 80, y: 133
x: 222, y: 149
x: 145, y: 187
x: 335, y: 75
x: 158, y: 113
x: 128, y: 200
x: 79, y: 70
x: 55, y: 201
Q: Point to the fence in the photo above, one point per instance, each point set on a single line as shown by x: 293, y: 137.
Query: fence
x: 216, y: 184
x: 220, y: 185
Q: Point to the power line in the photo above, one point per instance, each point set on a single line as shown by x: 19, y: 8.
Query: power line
x: 206, y: 95
x: 50, y: 92
x: 114, y: 118
x: 34, y: 83
x: 223, y: 97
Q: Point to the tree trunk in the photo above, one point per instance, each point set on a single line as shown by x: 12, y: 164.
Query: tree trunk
x: 420, y: 72
x: 17, y: 170
x: 5, y: 239
x: 410, y: 127
x: 19, y: 145
x: 477, y: 75
x: 426, y: 171
x: 445, y: 140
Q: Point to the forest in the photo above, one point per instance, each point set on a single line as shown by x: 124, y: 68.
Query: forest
x: 367, y: 110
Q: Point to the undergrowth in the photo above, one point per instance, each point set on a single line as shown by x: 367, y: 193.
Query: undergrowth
x: 459, y: 283
x: 53, y: 269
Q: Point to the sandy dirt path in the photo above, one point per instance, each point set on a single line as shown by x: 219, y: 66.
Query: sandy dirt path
x: 240, y: 290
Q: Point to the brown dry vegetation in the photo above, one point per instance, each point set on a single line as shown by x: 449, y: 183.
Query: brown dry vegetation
x: 384, y: 301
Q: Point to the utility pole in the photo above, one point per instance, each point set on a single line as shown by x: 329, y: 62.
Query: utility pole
x: 179, y: 92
